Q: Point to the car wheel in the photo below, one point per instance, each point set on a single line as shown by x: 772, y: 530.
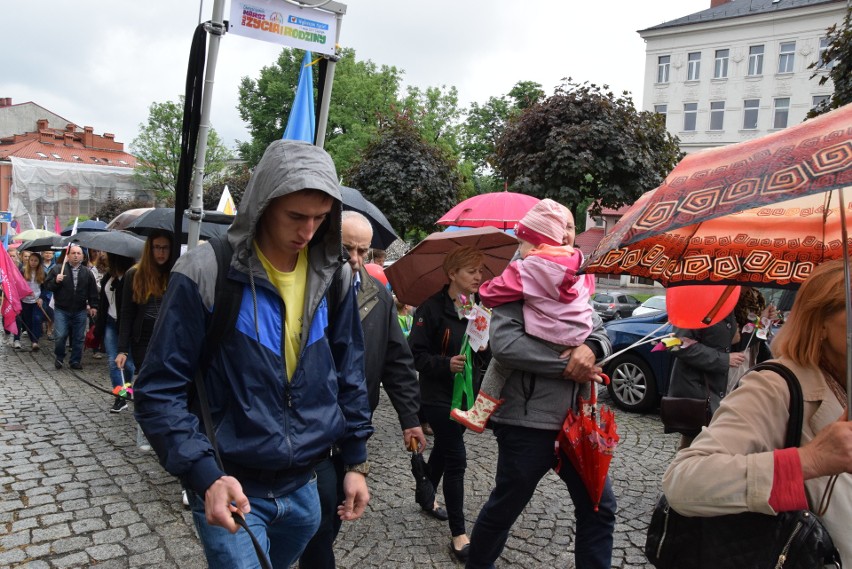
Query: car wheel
x: 617, y: 316
x: 632, y: 384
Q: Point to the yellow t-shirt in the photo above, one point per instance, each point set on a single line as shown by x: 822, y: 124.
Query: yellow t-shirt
x: 291, y: 287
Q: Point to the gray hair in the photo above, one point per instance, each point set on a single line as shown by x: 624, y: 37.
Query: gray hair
x: 357, y: 217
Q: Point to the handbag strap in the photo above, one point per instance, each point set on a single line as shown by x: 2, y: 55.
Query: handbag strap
x: 797, y: 402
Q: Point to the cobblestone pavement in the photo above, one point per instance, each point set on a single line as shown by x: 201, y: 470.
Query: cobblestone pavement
x: 75, y: 491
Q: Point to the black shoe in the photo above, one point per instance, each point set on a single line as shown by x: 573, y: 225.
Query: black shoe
x: 119, y: 405
x: 57, y: 364
x: 76, y: 366
x: 437, y: 513
x: 461, y: 554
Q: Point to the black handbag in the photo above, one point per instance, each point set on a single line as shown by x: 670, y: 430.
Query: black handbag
x: 686, y: 415
x: 790, y: 540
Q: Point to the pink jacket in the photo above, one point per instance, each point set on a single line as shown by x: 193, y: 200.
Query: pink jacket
x: 556, y: 299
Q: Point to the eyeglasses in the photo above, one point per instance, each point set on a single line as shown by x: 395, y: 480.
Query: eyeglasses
x: 160, y: 247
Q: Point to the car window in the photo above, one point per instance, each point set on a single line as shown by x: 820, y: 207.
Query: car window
x: 656, y: 302
x: 603, y: 298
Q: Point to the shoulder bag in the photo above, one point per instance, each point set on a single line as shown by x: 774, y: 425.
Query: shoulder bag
x: 790, y: 540
x: 686, y: 415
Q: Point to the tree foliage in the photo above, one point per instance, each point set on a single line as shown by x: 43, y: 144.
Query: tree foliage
x: 837, y: 60
x: 236, y: 178
x: 157, y: 146
x: 484, y: 125
x: 411, y: 180
x: 362, y: 94
x: 584, y: 142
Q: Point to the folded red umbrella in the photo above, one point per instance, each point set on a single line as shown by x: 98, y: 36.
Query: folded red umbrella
x: 588, y: 438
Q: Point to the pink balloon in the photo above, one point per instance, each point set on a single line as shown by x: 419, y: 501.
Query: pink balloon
x: 691, y: 306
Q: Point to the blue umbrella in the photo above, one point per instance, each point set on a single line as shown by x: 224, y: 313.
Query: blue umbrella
x: 301, y: 124
x: 88, y: 225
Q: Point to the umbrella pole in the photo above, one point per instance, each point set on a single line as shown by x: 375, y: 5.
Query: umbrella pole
x: 649, y: 337
x: 845, y: 244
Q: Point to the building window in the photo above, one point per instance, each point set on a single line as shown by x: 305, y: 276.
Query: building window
x: 77, y: 158
x: 755, y: 60
x: 782, y: 113
x: 661, y: 110
x: 751, y: 107
x: 663, y: 66
x: 41, y: 154
x: 820, y: 102
x: 786, y: 57
x: 720, y: 68
x: 693, y: 66
x: 823, y: 47
x: 717, y: 115
x: 690, y: 114
x: 56, y: 156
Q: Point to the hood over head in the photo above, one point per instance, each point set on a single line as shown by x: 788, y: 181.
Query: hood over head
x: 287, y: 166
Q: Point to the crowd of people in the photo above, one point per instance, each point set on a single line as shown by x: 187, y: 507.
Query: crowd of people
x: 258, y: 359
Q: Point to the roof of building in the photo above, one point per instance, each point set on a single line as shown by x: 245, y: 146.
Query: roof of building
x: 63, y: 146
x: 620, y: 211
x: 588, y: 240
x: 739, y: 9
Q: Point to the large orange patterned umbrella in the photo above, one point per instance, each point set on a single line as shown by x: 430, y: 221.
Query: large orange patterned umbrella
x: 762, y: 212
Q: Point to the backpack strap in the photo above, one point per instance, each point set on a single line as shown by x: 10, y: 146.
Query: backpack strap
x: 797, y: 402
x: 226, y: 302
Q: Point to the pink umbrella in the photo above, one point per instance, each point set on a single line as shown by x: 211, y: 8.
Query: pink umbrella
x: 499, y: 209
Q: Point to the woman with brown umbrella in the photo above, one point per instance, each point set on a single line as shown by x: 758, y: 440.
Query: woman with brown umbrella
x: 436, y: 340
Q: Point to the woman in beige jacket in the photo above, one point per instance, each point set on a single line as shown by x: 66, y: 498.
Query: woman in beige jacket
x: 735, y: 464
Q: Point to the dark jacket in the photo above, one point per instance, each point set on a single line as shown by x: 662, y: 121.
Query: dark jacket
x: 536, y: 395
x: 130, y: 314
x: 709, y: 358
x: 436, y: 337
x: 68, y: 298
x: 387, y: 357
x: 262, y: 420
x: 103, y: 303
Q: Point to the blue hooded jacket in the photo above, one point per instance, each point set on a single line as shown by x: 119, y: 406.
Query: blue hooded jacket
x: 262, y: 421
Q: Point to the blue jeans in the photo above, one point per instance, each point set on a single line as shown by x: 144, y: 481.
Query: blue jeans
x: 282, y: 525
x: 319, y: 553
x: 31, y: 319
x: 73, y: 323
x: 524, y: 457
x: 111, y: 347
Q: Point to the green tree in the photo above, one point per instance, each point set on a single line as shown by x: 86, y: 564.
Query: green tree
x: 410, y: 179
x: 584, y: 142
x: 837, y: 60
x: 157, y: 146
x: 484, y: 125
x: 236, y: 178
x: 362, y: 95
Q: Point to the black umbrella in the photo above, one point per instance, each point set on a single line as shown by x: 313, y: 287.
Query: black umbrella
x: 424, y: 492
x: 117, y: 242
x: 213, y: 222
x: 383, y: 233
x: 88, y: 225
x: 44, y: 244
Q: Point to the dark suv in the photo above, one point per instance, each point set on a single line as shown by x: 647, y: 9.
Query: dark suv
x: 613, y: 306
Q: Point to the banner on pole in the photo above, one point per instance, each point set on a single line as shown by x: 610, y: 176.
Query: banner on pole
x: 280, y: 22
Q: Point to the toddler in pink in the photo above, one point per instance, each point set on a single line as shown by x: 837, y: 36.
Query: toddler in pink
x: 556, y: 299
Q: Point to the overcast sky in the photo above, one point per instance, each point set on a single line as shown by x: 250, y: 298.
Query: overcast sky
x: 103, y: 62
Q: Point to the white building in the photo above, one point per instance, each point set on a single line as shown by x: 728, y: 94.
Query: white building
x: 737, y: 70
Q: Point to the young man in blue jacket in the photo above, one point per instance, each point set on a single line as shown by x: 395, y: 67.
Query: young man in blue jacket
x: 284, y: 386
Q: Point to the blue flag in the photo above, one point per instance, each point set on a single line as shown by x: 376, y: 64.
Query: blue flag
x: 301, y: 124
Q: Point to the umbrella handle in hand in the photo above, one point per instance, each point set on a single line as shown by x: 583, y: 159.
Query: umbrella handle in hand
x: 412, y: 445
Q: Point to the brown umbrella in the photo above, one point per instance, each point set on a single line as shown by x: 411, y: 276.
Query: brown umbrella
x: 419, y: 273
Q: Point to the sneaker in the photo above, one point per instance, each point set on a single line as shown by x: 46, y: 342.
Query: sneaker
x: 57, y: 364
x: 17, y: 344
x: 98, y: 356
x: 119, y: 405
x: 35, y: 346
x: 76, y: 366
x: 185, y: 499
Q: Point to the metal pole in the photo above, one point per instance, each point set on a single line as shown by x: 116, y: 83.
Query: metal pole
x: 340, y: 9
x: 845, y: 237
x: 216, y: 29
